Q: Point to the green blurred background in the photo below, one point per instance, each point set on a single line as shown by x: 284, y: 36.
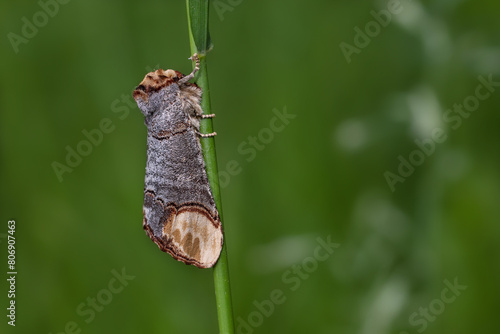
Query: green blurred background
x: 322, y: 176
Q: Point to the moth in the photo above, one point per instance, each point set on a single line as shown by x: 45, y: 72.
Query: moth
x: 179, y: 212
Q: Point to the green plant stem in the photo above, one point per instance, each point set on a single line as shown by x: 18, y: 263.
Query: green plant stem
x: 221, y: 270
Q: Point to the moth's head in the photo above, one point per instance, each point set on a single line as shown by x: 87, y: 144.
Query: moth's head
x: 147, y: 93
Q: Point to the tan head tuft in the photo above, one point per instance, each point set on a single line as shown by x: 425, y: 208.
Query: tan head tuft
x: 154, y: 81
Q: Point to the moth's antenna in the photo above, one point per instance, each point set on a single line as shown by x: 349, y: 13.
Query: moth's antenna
x: 191, y: 75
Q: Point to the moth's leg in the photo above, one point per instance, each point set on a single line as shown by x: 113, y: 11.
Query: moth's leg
x: 204, y: 135
x: 198, y: 112
x: 191, y: 75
